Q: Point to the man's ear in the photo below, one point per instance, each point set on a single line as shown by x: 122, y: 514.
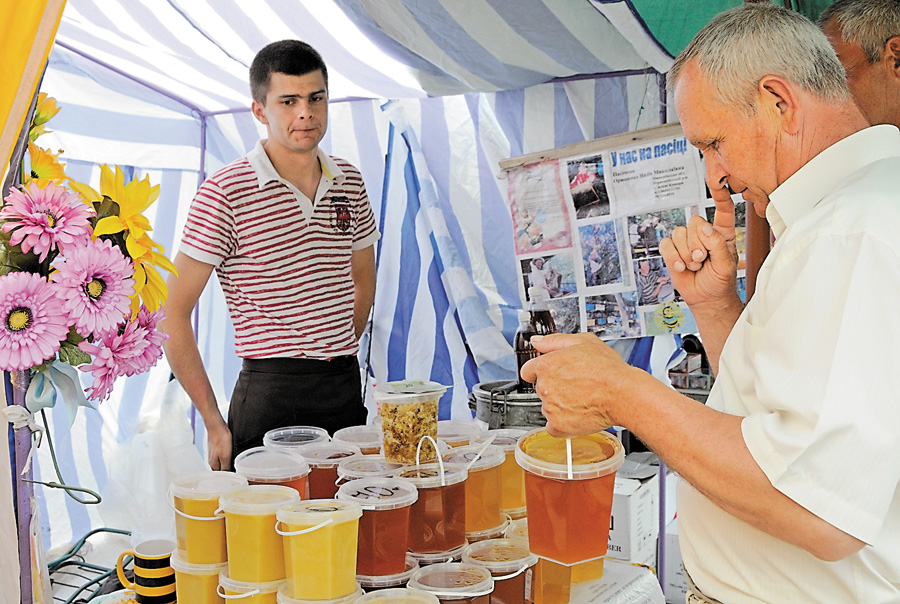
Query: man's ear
x: 779, y: 96
x: 259, y: 112
x: 892, y: 55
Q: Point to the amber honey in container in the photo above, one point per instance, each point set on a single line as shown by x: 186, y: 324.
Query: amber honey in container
x: 427, y: 559
x: 512, y: 476
x: 267, y: 465
x: 384, y: 526
x: 373, y: 583
x: 409, y: 415
x: 437, y: 521
x: 366, y: 466
x: 247, y: 592
x: 457, y: 432
x: 196, y: 583
x: 483, y: 516
x: 399, y: 596
x: 569, y: 491
x: 367, y: 438
x: 552, y: 582
x: 199, y: 530
x: 455, y: 582
x: 323, y: 460
x: 511, y: 565
x: 295, y: 436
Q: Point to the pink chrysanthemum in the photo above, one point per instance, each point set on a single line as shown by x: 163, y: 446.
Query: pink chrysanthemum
x: 43, y: 220
x: 147, y: 322
x: 32, y: 321
x: 114, y: 352
x: 96, y: 284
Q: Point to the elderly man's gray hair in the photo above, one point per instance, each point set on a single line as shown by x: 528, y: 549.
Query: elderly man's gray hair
x: 866, y: 23
x: 738, y: 47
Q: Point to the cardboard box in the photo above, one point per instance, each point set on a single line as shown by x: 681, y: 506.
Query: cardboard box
x: 622, y: 583
x: 676, y: 583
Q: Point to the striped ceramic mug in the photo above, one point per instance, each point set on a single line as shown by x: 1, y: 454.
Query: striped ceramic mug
x: 154, y: 579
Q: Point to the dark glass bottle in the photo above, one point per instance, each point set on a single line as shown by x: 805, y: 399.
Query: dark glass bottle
x: 524, y: 350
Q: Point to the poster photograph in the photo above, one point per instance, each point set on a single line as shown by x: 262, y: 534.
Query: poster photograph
x: 600, y: 253
x: 554, y: 274
x: 612, y: 316
x: 539, y: 214
x: 587, y: 186
x: 645, y: 231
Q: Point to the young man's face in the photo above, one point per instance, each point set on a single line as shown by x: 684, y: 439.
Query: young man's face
x: 295, y: 111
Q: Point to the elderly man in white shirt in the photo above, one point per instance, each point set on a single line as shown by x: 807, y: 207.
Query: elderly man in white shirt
x: 791, y: 471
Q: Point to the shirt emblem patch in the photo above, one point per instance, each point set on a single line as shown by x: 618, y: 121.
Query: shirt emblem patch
x: 340, y: 214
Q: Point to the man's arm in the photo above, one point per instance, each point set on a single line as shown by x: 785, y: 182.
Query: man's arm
x: 585, y: 387
x: 362, y: 271
x: 184, y: 356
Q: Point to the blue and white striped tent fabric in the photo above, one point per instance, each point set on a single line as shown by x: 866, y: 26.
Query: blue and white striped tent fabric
x: 427, y: 98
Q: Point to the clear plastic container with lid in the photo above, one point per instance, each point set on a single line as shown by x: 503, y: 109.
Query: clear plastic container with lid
x: 367, y: 438
x: 267, y: 465
x: 569, y: 491
x: 247, y: 592
x: 483, y: 515
x: 323, y: 460
x: 399, y: 596
x: 366, y: 466
x: 286, y: 596
x: 512, y: 476
x: 255, y: 550
x: 384, y: 526
x: 320, y: 542
x: 455, y: 582
x: 427, y: 559
x: 437, y: 521
x: 511, y: 565
x: 196, y: 583
x: 409, y: 413
x: 372, y: 583
x: 517, y: 529
x: 457, y: 432
x: 199, y: 530
x: 295, y: 436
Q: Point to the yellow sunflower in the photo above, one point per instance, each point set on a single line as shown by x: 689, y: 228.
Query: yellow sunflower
x: 45, y: 166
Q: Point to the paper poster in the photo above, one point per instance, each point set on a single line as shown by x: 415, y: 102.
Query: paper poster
x: 594, y: 254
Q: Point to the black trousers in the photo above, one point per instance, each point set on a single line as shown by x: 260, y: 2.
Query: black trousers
x: 282, y: 392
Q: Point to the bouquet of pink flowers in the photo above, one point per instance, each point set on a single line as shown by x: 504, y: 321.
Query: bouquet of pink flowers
x: 79, y: 285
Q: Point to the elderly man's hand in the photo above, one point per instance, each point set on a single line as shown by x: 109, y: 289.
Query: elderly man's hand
x: 581, y: 381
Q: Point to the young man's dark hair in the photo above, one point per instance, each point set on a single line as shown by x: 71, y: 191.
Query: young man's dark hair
x: 291, y: 57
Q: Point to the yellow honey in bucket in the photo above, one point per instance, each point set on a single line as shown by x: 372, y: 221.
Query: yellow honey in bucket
x: 196, y: 583
x: 199, y: 530
x: 320, y: 547
x: 246, y: 592
x: 255, y: 550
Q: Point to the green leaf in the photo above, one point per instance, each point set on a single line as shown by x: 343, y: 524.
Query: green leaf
x: 73, y: 355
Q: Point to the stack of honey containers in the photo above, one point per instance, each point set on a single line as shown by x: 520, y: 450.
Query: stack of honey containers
x: 282, y: 531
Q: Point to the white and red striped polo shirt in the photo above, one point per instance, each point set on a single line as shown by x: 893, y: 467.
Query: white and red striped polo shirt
x: 283, y: 261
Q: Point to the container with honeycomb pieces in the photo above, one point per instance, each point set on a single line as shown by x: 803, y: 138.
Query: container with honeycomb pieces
x: 409, y: 413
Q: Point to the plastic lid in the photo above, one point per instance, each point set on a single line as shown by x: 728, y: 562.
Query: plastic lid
x: 505, y: 438
x: 457, y: 430
x: 593, y: 455
x: 491, y: 533
x: 270, y: 464
x: 181, y: 565
x: 315, y: 511
x: 383, y: 581
x: 293, y: 436
x: 286, y: 596
x: 364, y: 437
x: 409, y: 391
x: 257, y: 499
x: 399, y: 595
x: 424, y: 559
x: 327, y: 455
x: 453, y: 580
x: 500, y: 556
x: 524, y: 316
x: 490, y: 457
x: 428, y: 475
x: 379, y: 493
x: 202, y: 486
x: 242, y: 587
x: 366, y: 466
x: 517, y: 529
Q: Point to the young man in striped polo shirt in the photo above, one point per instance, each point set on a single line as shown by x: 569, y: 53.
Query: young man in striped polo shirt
x: 289, y: 231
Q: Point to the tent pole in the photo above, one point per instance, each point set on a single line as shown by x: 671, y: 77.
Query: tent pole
x: 661, y: 540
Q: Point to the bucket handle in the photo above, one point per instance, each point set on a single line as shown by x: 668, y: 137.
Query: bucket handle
x: 515, y: 574
x: 301, y: 531
x: 171, y: 498
x: 249, y: 594
x: 437, y: 454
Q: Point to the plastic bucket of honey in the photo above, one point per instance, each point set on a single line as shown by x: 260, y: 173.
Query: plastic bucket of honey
x: 399, y: 596
x: 323, y: 460
x: 409, y: 413
x: 483, y: 462
x: 552, y: 582
x: 512, y: 476
x: 455, y: 582
x: 384, y: 526
x: 255, y: 549
x: 320, y: 543
x: 267, y: 465
x: 366, y: 466
x: 457, y: 432
x: 243, y: 592
x: 511, y: 565
x: 367, y: 438
x: 437, y: 520
x: 286, y: 596
x: 427, y: 559
x: 373, y: 582
x: 199, y: 530
x: 196, y: 583
x: 568, y: 492
x: 295, y: 436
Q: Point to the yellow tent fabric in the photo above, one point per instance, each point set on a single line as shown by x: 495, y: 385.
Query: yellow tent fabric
x: 27, y: 30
